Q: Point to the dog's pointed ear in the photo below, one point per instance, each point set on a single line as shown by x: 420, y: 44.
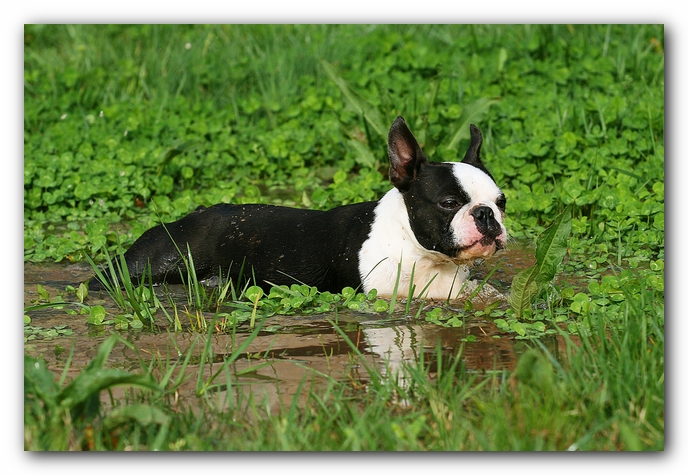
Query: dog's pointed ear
x: 472, y: 156
x: 405, y: 155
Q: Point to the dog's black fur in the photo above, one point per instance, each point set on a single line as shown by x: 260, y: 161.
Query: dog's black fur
x: 280, y: 245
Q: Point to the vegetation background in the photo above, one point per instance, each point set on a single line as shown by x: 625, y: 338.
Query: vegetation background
x: 127, y: 125
x: 140, y: 124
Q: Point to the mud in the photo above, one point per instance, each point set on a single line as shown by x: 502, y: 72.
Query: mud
x: 297, y: 348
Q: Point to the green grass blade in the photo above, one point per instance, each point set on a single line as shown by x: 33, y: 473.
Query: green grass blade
x: 363, y: 107
x: 470, y: 115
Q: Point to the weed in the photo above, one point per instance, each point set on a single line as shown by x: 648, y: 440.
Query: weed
x: 57, y: 418
x: 602, y: 397
x: 124, y: 127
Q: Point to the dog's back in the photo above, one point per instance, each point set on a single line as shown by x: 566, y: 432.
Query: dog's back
x: 276, y: 244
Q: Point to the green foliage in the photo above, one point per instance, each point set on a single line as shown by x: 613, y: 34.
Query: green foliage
x: 127, y: 125
x: 297, y: 115
x: 550, y: 251
x: 32, y: 332
x: 138, y: 302
x: 604, y: 398
x: 139, y: 305
x: 440, y: 316
x: 298, y: 299
x: 57, y: 418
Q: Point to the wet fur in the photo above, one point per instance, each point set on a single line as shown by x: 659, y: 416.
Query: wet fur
x: 437, y: 217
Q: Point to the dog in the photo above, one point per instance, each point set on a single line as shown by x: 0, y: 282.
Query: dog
x: 422, y: 233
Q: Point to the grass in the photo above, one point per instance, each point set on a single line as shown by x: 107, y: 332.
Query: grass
x: 306, y: 142
x: 603, y: 398
x: 128, y: 125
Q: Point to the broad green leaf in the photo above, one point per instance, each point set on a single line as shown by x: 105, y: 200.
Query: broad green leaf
x: 518, y: 328
x: 97, y: 315
x: 91, y: 381
x: 551, y: 248
x: 141, y: 413
x: 471, y: 114
x: 254, y: 293
x: 82, y: 292
x: 42, y: 293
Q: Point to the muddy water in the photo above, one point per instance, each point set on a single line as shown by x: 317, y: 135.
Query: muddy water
x: 297, y: 348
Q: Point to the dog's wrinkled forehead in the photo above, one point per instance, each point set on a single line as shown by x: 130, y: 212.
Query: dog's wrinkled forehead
x: 477, y: 184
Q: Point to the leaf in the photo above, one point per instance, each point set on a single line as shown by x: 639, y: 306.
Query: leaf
x: 518, y: 328
x: 471, y: 113
x: 363, y: 107
x: 40, y: 381
x: 503, y: 55
x: 552, y: 245
x: 551, y: 248
x: 523, y: 290
x: 42, y: 293
x: 97, y: 315
x: 82, y: 292
x: 454, y: 322
x: 364, y: 156
x: 143, y: 414
x: 348, y: 292
x: 91, y: 381
x: 254, y: 293
x: 380, y: 306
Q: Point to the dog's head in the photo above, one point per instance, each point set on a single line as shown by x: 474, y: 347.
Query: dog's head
x: 454, y: 209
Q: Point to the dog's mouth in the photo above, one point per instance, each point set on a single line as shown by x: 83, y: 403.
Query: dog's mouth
x: 483, y: 247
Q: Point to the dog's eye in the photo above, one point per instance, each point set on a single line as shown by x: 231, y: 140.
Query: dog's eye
x: 501, y: 202
x: 449, y: 204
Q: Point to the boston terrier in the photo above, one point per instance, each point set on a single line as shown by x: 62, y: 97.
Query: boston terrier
x: 424, y: 231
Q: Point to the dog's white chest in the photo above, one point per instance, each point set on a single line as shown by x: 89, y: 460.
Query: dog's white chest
x: 392, y: 257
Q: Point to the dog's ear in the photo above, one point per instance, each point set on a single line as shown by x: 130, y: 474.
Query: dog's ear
x: 472, y: 156
x: 405, y: 155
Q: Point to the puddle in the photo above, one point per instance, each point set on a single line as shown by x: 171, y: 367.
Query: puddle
x: 303, y: 346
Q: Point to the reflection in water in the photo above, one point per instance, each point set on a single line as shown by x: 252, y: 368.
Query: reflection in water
x: 276, y: 364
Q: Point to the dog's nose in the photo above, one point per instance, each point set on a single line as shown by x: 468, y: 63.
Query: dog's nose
x: 485, y: 221
x: 483, y: 214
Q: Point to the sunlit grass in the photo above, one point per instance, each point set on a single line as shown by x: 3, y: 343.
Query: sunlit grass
x: 129, y: 125
x: 604, y: 397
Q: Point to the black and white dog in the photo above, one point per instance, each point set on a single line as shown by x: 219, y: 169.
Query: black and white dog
x: 436, y: 219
